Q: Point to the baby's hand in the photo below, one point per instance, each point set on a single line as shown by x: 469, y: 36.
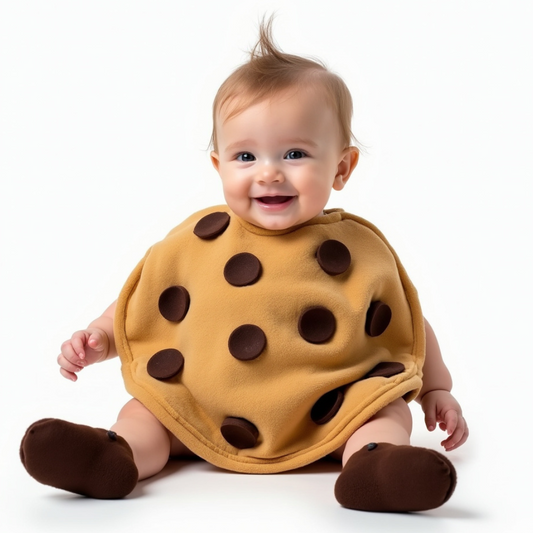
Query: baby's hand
x: 82, y: 349
x: 440, y: 407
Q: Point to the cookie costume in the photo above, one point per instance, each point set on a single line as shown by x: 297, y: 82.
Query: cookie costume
x: 264, y: 350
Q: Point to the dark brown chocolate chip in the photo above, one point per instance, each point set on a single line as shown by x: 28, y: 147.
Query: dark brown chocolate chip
x: 247, y: 342
x: 239, y: 432
x: 165, y: 364
x: 333, y: 257
x: 327, y: 406
x: 242, y: 269
x: 212, y: 225
x: 385, y: 370
x: 378, y: 318
x: 174, y: 303
x: 317, y: 324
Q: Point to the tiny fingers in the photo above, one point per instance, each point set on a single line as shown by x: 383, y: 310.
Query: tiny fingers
x: 458, y: 437
x: 94, y: 339
x: 431, y: 420
x: 96, y: 342
x: 69, y: 361
x: 450, y: 421
x: 68, y: 365
x: 78, y: 344
x: 73, y: 351
x: 69, y: 375
x: 455, y: 445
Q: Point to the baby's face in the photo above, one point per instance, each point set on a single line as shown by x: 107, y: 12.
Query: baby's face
x: 279, y: 159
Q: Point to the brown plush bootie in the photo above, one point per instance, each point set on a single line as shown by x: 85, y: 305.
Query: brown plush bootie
x: 81, y: 459
x: 389, y: 478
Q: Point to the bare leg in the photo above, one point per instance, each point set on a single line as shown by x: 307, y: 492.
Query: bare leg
x: 148, y: 439
x: 392, y: 424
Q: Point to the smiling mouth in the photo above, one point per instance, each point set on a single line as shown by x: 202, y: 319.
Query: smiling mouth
x: 274, y: 200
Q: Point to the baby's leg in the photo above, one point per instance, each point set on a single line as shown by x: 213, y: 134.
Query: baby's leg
x: 392, y: 424
x: 382, y: 472
x: 148, y: 439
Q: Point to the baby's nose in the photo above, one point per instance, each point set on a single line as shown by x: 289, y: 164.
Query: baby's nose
x: 270, y: 173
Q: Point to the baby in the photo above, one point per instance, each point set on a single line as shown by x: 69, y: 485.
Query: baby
x: 268, y: 333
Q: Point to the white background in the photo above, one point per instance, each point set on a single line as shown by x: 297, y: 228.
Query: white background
x: 104, y: 128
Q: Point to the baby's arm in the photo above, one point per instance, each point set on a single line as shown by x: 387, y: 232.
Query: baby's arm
x: 439, y: 406
x: 88, y: 346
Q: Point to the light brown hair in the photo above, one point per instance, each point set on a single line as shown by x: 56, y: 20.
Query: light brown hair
x: 270, y: 71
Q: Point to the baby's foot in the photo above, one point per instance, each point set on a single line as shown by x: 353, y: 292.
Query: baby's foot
x: 386, y: 477
x: 81, y: 459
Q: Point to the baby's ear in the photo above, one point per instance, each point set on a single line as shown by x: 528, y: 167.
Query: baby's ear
x: 215, y: 160
x: 349, y: 160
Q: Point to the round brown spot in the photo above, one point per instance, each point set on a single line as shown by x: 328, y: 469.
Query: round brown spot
x: 242, y: 269
x: 165, y: 364
x: 239, y: 432
x: 327, y: 406
x: 174, y: 303
x: 247, y: 342
x: 317, y: 324
x: 212, y: 225
x: 385, y: 370
x: 333, y: 257
x: 378, y: 318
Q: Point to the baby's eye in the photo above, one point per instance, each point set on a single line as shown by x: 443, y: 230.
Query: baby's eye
x: 245, y: 157
x: 295, y: 154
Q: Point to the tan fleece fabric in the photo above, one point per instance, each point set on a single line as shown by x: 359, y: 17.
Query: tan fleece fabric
x: 274, y: 393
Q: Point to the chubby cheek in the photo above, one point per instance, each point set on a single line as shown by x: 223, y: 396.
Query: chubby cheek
x: 236, y: 194
x: 315, y: 191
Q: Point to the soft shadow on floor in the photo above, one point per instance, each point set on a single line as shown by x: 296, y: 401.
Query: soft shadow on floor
x: 175, y: 465
x: 172, y: 467
x: 452, y: 512
x: 323, y: 466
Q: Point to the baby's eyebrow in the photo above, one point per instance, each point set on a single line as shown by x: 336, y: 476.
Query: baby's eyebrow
x: 239, y: 145
x: 298, y: 141
x: 292, y: 142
